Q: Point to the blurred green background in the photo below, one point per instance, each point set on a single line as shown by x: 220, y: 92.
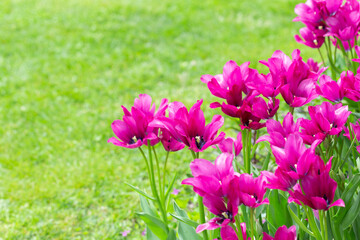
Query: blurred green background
x: 66, y: 67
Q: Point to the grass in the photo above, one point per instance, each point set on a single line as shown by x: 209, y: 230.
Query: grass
x: 66, y: 67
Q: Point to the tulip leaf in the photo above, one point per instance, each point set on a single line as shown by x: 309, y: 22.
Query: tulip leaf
x: 155, y: 225
x: 172, y: 235
x: 185, y: 230
x: 347, y: 197
x: 170, y: 187
x: 277, y: 212
x: 145, y: 206
x: 140, y: 192
x: 150, y: 235
x: 352, y: 214
x: 299, y: 222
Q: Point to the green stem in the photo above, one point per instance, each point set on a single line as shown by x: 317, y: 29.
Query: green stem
x: 322, y: 58
x: 321, y: 220
x: 252, y: 222
x: 163, y: 213
x: 202, y: 216
x: 244, y: 142
x: 149, y: 171
x: 159, y: 175
x: 248, y: 152
x: 238, y: 226
x: 291, y: 110
x: 276, y: 116
x: 164, y: 173
x: 325, y: 223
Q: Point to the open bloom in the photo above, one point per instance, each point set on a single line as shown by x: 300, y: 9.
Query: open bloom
x: 230, y: 86
x: 317, y: 191
x: 189, y: 127
x: 309, y: 38
x: 355, y: 133
x: 231, y: 145
x: 344, y: 24
x: 293, y: 78
x: 326, y: 119
x: 278, y: 133
x: 282, y: 233
x: 209, y: 178
x: 134, y: 130
x: 239, y: 86
x: 228, y: 233
x: 248, y: 190
x: 224, y: 213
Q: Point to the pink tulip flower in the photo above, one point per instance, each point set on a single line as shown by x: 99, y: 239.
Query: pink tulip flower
x: 282, y: 233
x: 326, y: 119
x: 279, y: 133
x: 248, y: 190
x: 316, y: 191
x: 231, y: 145
x: 228, y: 233
x: 189, y: 127
x: 134, y: 130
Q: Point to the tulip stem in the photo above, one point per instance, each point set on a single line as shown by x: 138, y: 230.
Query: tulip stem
x: 202, y: 216
x: 201, y: 204
x: 291, y: 110
x: 252, y: 222
x: 321, y: 220
x: 163, y: 213
x: 164, y: 173
x: 322, y: 58
x: 325, y: 223
x: 159, y: 175
x: 238, y: 226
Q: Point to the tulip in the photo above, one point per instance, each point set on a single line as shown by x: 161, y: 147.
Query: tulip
x: 189, y: 127
x: 279, y: 133
x: 326, y: 119
x: 316, y: 191
x: 231, y: 145
x: 282, y: 233
x: 134, y: 130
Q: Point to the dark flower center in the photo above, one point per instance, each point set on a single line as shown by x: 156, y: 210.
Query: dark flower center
x: 293, y: 168
x: 133, y: 140
x: 326, y: 199
x: 200, y: 142
x: 223, y: 216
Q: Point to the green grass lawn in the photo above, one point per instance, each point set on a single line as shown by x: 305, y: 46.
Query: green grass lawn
x: 67, y: 66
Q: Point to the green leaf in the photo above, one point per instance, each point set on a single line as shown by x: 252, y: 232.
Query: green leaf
x: 185, y: 230
x: 185, y: 220
x: 298, y: 221
x: 145, y: 206
x: 352, y: 214
x: 170, y: 187
x: 347, y: 197
x: 172, y: 235
x: 277, y: 211
x: 155, y: 225
x: 150, y: 235
x: 140, y: 192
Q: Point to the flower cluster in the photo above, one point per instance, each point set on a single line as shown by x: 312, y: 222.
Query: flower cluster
x: 180, y: 128
x: 323, y: 18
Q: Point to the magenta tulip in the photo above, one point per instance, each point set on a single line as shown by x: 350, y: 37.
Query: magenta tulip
x: 326, y: 119
x: 189, y: 127
x: 231, y: 145
x: 134, y: 130
x: 248, y: 190
x: 282, y: 233
x: 316, y: 191
x: 279, y: 133
x: 228, y: 233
